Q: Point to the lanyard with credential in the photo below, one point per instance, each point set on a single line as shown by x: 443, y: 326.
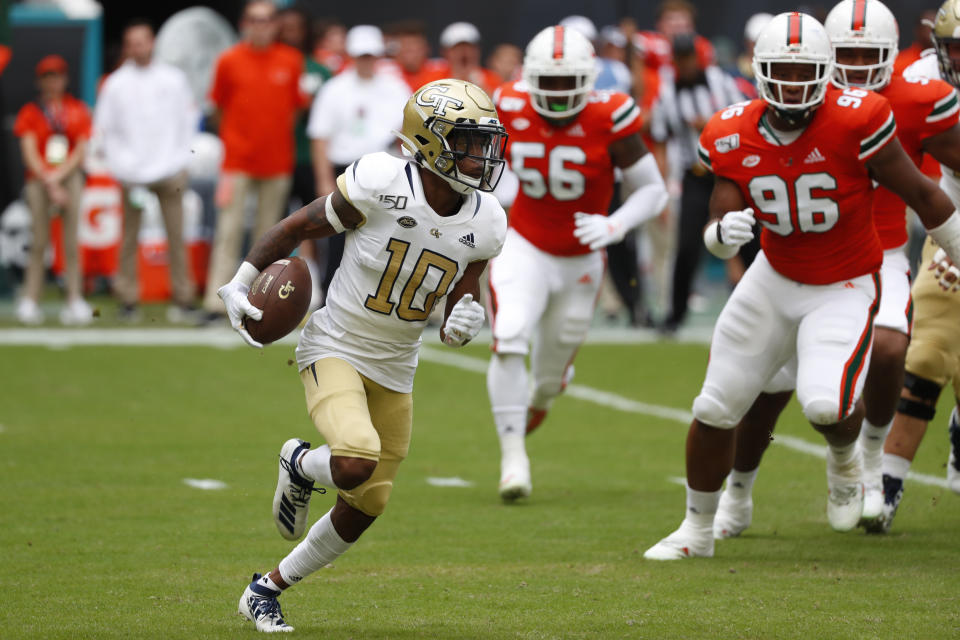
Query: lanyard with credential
x: 57, y: 147
x: 56, y: 117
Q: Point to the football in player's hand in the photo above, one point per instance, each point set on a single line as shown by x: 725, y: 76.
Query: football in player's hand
x: 282, y: 291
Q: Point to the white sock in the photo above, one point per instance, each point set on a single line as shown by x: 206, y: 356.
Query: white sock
x: 840, y: 456
x: 872, y: 438
x: 701, y: 509
x: 895, y: 466
x: 315, y: 465
x: 507, y: 388
x: 322, y: 546
x: 513, y: 445
x: 740, y: 483
x: 265, y: 581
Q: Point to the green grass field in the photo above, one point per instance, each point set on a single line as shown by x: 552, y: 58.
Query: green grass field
x: 101, y: 538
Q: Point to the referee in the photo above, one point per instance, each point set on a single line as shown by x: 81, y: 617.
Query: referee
x: 688, y: 96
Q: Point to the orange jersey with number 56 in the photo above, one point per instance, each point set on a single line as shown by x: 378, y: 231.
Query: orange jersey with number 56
x: 562, y: 169
x: 814, y: 196
x: 923, y: 108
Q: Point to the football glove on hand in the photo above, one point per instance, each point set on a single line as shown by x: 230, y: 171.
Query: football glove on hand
x: 464, y: 322
x: 948, y: 276
x: 234, y: 296
x: 736, y: 227
x: 597, y: 231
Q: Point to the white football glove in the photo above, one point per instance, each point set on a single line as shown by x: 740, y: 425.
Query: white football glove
x: 736, y: 227
x: 947, y: 274
x: 597, y: 231
x: 234, y: 296
x: 464, y: 322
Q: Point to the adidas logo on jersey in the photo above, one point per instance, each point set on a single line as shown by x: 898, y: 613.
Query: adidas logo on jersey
x: 814, y: 156
x: 468, y: 240
x: 576, y: 130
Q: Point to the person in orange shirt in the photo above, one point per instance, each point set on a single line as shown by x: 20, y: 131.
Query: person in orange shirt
x: 53, y: 134
x: 461, y: 59
x: 407, y: 45
x: 257, y: 97
x: 921, y: 42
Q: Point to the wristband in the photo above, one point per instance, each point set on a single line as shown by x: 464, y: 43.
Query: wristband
x: 246, y: 274
x: 714, y: 243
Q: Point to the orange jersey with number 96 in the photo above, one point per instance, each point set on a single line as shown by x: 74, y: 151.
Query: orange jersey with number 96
x: 562, y: 169
x: 814, y: 197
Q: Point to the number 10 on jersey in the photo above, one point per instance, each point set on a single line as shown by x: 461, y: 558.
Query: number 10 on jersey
x: 380, y: 300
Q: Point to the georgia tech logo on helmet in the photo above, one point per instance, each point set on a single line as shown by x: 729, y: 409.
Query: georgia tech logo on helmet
x: 429, y: 98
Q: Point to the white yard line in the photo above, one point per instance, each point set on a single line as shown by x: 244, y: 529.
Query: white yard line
x: 225, y: 338
x: 205, y: 484
x: 448, y: 482
x: 627, y: 405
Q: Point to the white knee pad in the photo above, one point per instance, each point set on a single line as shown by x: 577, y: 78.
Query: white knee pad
x: 713, y: 413
x: 822, y: 410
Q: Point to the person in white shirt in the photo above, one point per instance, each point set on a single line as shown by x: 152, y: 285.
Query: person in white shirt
x: 354, y: 114
x: 145, y: 119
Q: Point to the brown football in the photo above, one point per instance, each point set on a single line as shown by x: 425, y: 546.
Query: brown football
x: 282, y: 291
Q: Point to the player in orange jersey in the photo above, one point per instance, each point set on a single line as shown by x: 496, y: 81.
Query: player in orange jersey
x: 864, y: 35
x: 565, y: 141
x: 803, y: 159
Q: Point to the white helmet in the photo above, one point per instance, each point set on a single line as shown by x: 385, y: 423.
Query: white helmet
x: 863, y: 24
x: 559, y: 52
x: 793, y: 38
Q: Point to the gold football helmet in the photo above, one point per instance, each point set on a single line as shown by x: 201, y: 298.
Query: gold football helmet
x: 946, y: 32
x: 451, y: 128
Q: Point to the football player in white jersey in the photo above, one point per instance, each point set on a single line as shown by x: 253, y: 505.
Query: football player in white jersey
x: 416, y: 230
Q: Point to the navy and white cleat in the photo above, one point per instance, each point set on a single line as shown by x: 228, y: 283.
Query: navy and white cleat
x: 291, y: 501
x: 260, y: 605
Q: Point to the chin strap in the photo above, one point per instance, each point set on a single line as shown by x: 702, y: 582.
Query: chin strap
x: 793, y: 117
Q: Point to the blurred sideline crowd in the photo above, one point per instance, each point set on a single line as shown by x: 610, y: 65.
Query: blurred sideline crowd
x: 287, y: 108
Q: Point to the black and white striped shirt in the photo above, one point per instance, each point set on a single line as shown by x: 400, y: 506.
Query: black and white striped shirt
x: 681, y: 104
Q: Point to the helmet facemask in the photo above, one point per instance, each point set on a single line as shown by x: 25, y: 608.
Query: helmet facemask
x: 772, y: 90
x: 878, y: 73
x: 472, y: 154
x: 552, y: 99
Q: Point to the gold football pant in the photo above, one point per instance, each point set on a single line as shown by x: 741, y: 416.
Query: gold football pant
x: 934, y: 352
x: 361, y: 419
